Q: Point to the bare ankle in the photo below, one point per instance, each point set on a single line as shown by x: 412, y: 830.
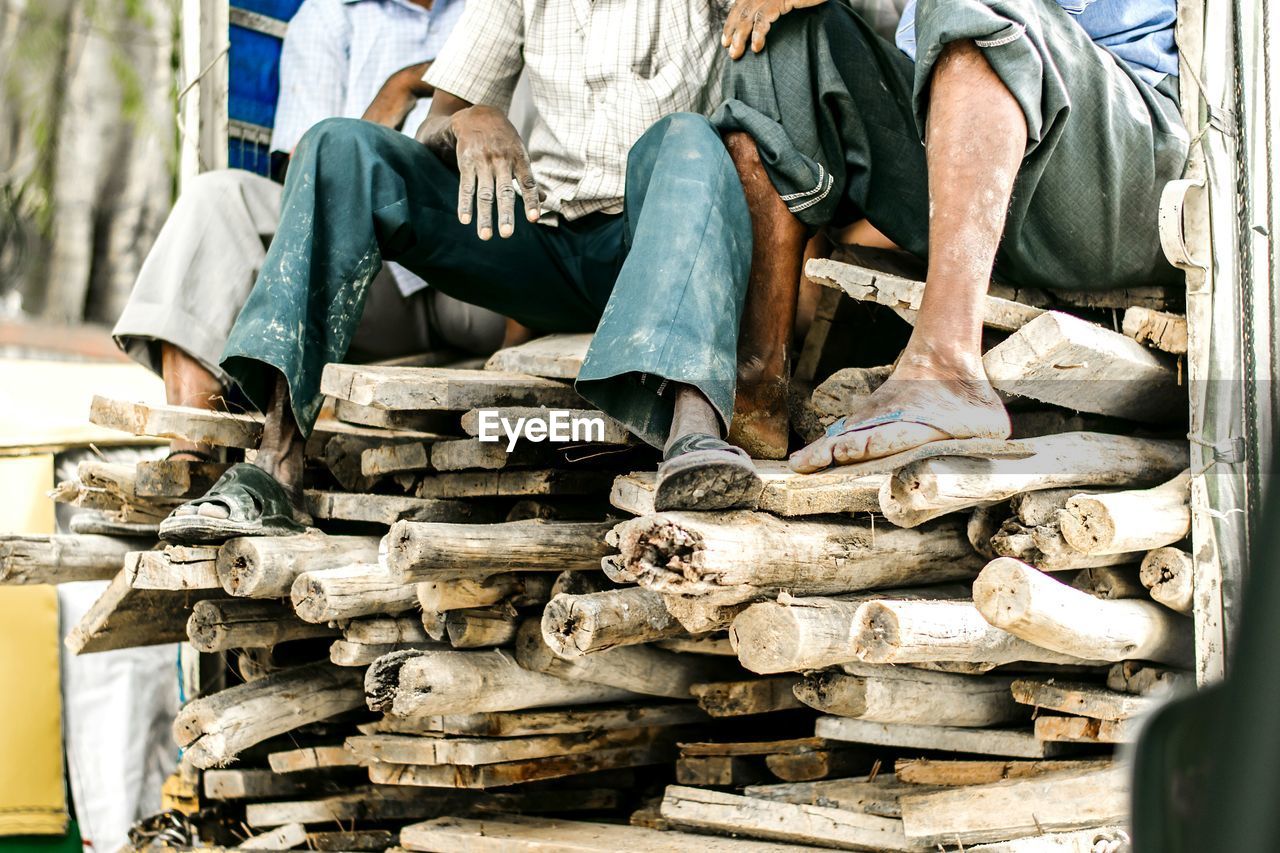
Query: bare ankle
x: 693, y: 414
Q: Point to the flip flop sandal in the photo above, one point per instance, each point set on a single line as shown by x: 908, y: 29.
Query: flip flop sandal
x: 200, y: 456
x: 256, y: 502
x: 702, y: 472
x: 980, y: 447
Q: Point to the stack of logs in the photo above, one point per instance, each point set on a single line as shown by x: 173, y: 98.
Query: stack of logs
x: 474, y: 651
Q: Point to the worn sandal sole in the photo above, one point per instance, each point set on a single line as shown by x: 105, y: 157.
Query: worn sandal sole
x: 707, y: 480
x: 202, y: 530
x: 973, y: 448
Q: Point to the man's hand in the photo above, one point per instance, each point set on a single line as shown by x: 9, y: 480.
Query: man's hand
x: 489, y: 154
x: 749, y: 20
x: 398, y: 96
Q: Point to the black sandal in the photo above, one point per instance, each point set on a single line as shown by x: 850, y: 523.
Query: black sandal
x: 703, y: 472
x: 257, y: 505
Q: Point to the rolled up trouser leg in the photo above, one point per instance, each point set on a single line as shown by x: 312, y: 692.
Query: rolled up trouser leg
x: 674, y: 312
x: 1102, y: 143
x: 201, y: 269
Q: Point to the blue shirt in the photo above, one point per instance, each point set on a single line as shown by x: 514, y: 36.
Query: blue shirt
x: 1138, y: 32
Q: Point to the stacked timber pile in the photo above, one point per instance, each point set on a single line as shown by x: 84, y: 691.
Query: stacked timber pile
x: 478, y: 649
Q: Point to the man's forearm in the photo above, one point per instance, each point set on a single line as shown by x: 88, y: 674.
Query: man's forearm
x: 398, y: 95
x: 435, y: 132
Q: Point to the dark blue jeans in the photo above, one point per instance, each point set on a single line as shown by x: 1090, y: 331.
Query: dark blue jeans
x: 662, y: 284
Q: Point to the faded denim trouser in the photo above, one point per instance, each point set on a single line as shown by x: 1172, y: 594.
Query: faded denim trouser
x: 662, y: 284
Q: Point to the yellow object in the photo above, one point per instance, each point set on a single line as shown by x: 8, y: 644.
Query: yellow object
x: 32, y: 791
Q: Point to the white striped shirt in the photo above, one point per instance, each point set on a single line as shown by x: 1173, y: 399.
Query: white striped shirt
x: 601, y: 73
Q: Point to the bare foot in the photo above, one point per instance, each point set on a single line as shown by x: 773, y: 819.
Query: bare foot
x: 934, y: 403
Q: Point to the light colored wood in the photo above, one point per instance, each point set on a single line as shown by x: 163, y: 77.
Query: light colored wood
x: 900, y: 293
x: 1145, y: 679
x: 786, y: 493
x: 522, y: 590
x: 575, y: 625
x: 441, y: 388
x: 639, y: 669
x: 888, y: 695
x: 1102, y: 839
x: 614, y: 432
x: 507, y: 484
x: 458, y: 682
x: 347, y: 653
x: 522, y: 834
x: 369, y: 803
x: 552, y: 356
x: 984, y: 523
x: 311, y: 758
x: 796, y: 634
x: 500, y: 775
x: 422, y: 422
x: 699, y: 615
x: 898, y: 632
x: 932, y: 772
x: 1158, y: 329
x: 1014, y: 743
x: 840, y: 393
x: 481, y: 628
x: 472, y: 751
x: 469, y: 454
x: 777, y: 821
x: 733, y: 557
x: 363, y: 589
x: 386, y: 509
x: 1029, y: 604
x: 1016, y: 808
x: 720, y: 771
x: 932, y: 487
x: 703, y: 644
x: 427, y: 551
x: 395, y: 459
x: 215, y: 729
x: 1084, y: 730
x: 1085, y: 700
x: 216, y: 626
x: 743, y: 698
x: 177, y: 567
x: 1061, y: 359
x: 385, y: 629
x: 580, y: 582
x: 568, y: 720
x: 1036, y: 508
x: 260, y: 784
x: 1123, y: 522
x: 281, y: 838
x: 266, y: 566
x: 221, y: 429
x: 176, y: 478
x: 876, y: 795
x: 64, y: 558
x: 1110, y: 582
x: 1044, y: 548
x: 1169, y: 574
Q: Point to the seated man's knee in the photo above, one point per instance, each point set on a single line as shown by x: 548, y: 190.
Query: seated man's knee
x: 214, y: 187
x: 337, y: 134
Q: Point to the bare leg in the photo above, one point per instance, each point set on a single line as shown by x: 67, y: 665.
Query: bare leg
x: 975, y: 141
x: 693, y: 414
x: 188, y: 383
x: 760, y: 422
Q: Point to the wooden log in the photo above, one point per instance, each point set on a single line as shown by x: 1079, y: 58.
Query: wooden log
x: 901, y: 632
x: 1144, y: 679
x: 1017, y: 808
x: 1085, y: 700
x: 64, y: 559
x: 395, y: 459
x: 638, y: 669
x: 1036, y: 508
x: 704, y: 644
x: 216, y: 626
x: 932, y: 772
x: 800, y: 824
x: 216, y: 728
x: 1031, y: 605
x: 552, y: 356
x: 740, y: 556
x: 388, y: 509
x: 887, y: 695
x: 1061, y: 359
x: 266, y: 566
x: 786, y: 493
x: 580, y: 582
x: 797, y: 634
x: 347, y: 653
x: 1158, y: 329
x: 1169, y: 575
x: 505, y: 724
x: 517, y: 772
x: 472, y: 751
x: 613, y: 432
x: 1110, y: 582
x: 423, y: 551
x: 744, y: 698
x: 363, y: 589
x: 1123, y: 522
x: 1044, y: 548
x: 575, y: 625
x: 700, y: 616
x: 1084, y: 730
x: 522, y: 590
x: 456, y: 682
x: 385, y: 629
x: 1014, y: 743
x: 817, y: 764
x: 281, y: 838
x: 933, y: 487
x: 523, y: 834
x: 481, y: 628
x: 984, y: 523
x: 433, y: 623
x: 441, y: 389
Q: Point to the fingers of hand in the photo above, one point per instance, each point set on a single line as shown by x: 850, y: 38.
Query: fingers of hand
x: 466, y: 189
x: 484, y: 199
x: 506, y: 197
x: 528, y: 188
x: 737, y: 29
x: 763, y: 20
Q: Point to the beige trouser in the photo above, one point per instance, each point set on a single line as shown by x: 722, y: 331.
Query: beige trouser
x: 205, y: 261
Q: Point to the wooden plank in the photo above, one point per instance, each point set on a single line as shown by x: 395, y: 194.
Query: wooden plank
x: 64, y: 558
x: 614, y: 432
x: 778, y: 821
x: 386, y: 509
x: 786, y: 493
x: 890, y: 695
x: 743, y: 698
x: 493, y: 484
x: 1085, y: 700
x: 1014, y: 743
x: 567, y: 720
x: 311, y: 758
x: 720, y: 771
x: 440, y: 423
x: 356, y: 840
x: 281, y: 838
x: 472, y: 751
x: 1102, y: 838
x: 1084, y: 730
x: 441, y: 389
x: 1144, y: 679
x: 932, y: 772
x: 469, y: 454
x: 523, y: 834
x: 876, y: 795
x: 1158, y: 329
x: 484, y: 776
x: 176, y: 478
x: 552, y: 356
x: 395, y: 459
x: 1016, y: 808
x: 262, y: 784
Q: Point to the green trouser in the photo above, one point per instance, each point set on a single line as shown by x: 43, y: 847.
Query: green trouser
x: 838, y: 114
x: 662, y: 284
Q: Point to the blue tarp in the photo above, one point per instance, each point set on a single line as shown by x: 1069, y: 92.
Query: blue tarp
x: 254, y: 81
